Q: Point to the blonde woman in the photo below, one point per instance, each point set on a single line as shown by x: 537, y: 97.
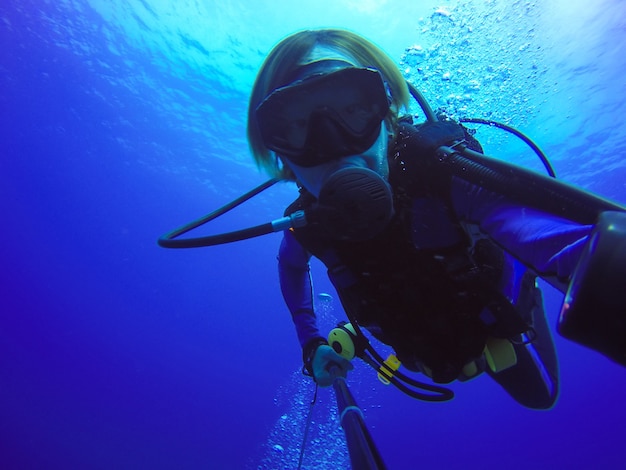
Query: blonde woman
x: 399, y: 237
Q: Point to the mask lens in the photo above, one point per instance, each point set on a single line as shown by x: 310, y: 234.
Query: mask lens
x: 324, y: 117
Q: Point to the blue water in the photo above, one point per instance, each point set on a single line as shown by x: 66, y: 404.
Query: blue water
x: 121, y: 120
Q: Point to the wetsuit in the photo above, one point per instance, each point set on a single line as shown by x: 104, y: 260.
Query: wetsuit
x: 446, y: 274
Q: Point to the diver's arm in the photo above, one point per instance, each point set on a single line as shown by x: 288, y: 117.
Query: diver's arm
x: 295, y: 284
x: 549, y: 244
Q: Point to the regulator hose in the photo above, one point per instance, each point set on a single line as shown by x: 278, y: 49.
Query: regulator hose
x: 168, y: 240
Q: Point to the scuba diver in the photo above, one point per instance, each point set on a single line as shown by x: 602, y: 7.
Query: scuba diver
x: 433, y: 247
x: 427, y: 263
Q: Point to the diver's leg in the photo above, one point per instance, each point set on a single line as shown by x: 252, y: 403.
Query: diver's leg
x: 534, y: 380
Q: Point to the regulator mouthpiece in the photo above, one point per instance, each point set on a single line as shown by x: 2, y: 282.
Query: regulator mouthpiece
x: 356, y: 204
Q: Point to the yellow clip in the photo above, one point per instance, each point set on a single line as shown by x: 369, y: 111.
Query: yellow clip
x: 392, y: 363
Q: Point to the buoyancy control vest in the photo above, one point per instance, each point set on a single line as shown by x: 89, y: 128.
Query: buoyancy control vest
x: 422, y: 286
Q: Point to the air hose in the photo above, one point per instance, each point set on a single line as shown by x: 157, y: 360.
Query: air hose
x: 169, y: 240
x: 349, y: 341
x: 523, y: 137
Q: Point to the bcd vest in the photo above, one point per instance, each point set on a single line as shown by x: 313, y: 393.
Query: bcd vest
x: 422, y: 286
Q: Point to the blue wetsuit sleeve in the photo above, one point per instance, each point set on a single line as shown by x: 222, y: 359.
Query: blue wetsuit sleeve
x: 295, y: 284
x: 549, y: 244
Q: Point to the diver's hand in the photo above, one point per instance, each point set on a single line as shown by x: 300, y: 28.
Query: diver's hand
x: 325, y: 360
x: 432, y: 135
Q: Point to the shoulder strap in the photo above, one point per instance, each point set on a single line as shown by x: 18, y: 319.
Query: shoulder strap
x: 411, y: 171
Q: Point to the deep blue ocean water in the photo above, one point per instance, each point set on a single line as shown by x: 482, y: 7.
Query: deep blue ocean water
x: 120, y: 120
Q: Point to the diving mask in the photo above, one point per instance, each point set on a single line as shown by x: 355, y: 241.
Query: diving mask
x: 324, y: 116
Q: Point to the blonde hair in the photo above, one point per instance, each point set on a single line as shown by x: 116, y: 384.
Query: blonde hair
x: 292, y: 52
